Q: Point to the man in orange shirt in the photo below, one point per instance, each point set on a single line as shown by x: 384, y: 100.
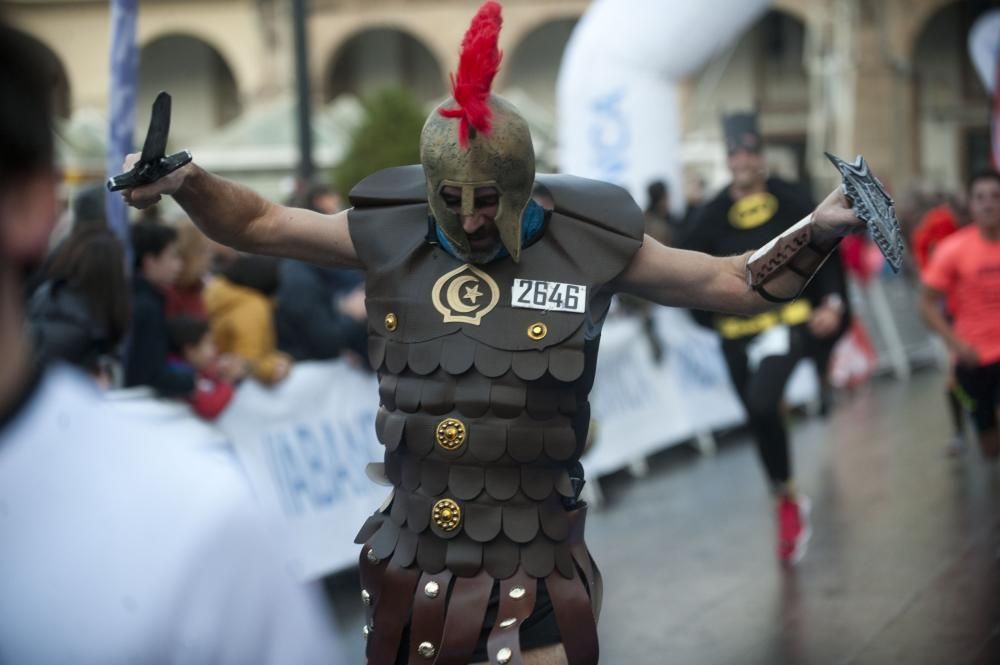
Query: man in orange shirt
x: 965, y: 269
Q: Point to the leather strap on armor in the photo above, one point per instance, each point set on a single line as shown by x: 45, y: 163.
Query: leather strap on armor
x: 427, y: 625
x: 517, y: 600
x: 391, y: 613
x: 575, y: 616
x: 466, y: 610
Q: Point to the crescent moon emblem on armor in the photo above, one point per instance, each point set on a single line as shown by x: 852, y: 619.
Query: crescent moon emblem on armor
x: 455, y: 300
x: 447, y: 300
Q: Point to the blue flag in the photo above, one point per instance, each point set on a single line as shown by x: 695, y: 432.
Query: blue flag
x: 121, y: 109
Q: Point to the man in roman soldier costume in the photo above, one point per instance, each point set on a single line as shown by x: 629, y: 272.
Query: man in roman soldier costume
x: 486, y: 289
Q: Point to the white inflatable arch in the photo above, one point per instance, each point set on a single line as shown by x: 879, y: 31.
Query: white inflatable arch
x: 984, y: 48
x: 618, y: 110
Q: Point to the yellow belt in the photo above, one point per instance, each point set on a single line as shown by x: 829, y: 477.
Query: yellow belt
x: 735, y: 327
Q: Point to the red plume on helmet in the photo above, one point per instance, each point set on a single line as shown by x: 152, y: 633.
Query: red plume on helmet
x: 477, y: 66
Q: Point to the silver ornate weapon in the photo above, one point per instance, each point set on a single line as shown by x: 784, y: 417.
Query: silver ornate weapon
x: 872, y: 205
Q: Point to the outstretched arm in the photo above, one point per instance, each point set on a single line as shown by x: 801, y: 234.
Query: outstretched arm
x: 236, y: 216
x: 691, y: 279
x: 682, y: 278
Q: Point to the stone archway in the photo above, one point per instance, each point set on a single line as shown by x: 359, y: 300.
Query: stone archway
x: 532, y: 66
x: 204, y: 90
x: 763, y: 71
x: 918, y: 15
x: 783, y: 93
x: 379, y: 57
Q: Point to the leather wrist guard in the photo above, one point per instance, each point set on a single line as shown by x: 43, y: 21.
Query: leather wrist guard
x: 780, y: 270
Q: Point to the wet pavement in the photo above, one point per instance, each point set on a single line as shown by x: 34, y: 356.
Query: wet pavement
x: 903, y: 566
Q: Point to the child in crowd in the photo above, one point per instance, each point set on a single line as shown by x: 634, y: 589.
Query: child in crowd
x: 191, y: 347
x: 155, y: 270
x: 195, y: 250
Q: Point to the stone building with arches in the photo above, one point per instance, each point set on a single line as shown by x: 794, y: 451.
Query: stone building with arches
x: 889, y: 75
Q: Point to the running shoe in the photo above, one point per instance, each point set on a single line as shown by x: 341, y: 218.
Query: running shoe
x: 793, y: 528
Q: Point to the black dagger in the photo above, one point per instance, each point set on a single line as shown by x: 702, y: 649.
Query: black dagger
x: 152, y: 164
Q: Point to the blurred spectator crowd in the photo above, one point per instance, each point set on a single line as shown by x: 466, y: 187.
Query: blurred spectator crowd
x: 187, y: 318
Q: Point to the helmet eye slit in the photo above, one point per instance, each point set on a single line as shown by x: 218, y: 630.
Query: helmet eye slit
x: 452, y: 201
x: 457, y: 202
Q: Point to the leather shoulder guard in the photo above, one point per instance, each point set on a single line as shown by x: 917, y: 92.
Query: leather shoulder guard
x: 399, y: 185
x: 388, y: 220
x: 608, y: 206
x: 596, y: 223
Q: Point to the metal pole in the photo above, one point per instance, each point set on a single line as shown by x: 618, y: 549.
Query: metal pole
x: 124, y: 70
x: 306, y: 167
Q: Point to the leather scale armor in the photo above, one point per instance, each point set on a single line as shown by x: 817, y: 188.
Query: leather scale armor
x: 481, y: 422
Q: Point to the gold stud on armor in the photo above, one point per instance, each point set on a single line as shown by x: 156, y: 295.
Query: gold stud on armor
x: 538, y: 331
x: 391, y: 322
x: 517, y: 593
x: 366, y: 597
x: 451, y: 433
x: 446, y: 514
x: 372, y: 559
x: 504, y: 656
x: 507, y: 623
x: 426, y: 649
x: 431, y: 589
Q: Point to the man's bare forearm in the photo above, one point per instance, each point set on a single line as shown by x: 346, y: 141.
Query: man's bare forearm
x: 683, y: 278
x: 225, y: 211
x: 724, y: 284
x: 736, y: 296
x: 236, y: 216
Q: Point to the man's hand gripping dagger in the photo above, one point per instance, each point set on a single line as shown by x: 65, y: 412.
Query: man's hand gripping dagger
x: 152, y: 165
x: 227, y: 212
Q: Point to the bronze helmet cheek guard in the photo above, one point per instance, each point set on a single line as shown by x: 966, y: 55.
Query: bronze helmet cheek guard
x: 504, y: 158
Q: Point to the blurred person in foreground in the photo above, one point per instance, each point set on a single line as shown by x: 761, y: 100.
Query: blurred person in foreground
x: 937, y: 224
x: 80, y: 313
x: 320, y: 311
x: 762, y: 351
x: 84, y: 212
x: 118, y: 543
x: 964, y: 271
x: 484, y: 315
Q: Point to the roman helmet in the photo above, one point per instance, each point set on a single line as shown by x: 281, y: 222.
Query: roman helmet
x: 478, y: 139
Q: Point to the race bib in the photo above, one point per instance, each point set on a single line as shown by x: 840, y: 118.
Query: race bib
x: 549, y: 296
